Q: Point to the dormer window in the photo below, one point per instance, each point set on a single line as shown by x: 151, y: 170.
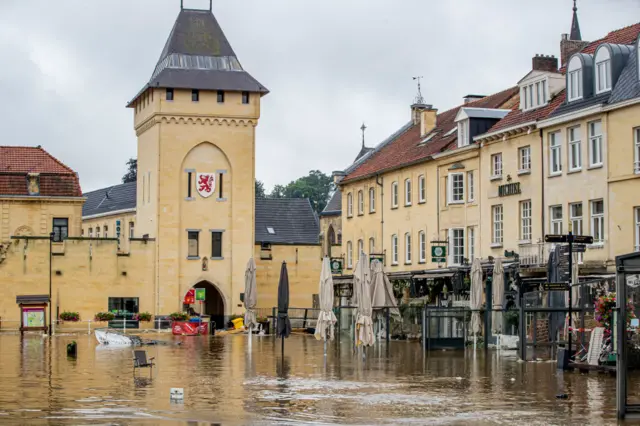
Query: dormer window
x: 574, y: 79
x: 463, y: 133
x: 603, y: 69
x: 533, y: 95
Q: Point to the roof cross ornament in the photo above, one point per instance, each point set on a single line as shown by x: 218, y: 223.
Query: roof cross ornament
x: 363, y: 128
x: 419, y: 99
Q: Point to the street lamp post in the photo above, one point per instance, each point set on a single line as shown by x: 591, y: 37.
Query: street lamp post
x: 51, y: 236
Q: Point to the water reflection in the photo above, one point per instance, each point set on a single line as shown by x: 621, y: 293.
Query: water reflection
x: 226, y: 380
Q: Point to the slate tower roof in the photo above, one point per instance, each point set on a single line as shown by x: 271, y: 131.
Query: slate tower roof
x: 575, y: 25
x: 197, y: 55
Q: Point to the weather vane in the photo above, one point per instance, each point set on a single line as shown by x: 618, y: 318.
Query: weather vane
x: 419, y: 99
x: 363, y: 128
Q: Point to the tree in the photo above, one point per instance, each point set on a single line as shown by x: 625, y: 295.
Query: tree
x: 278, y: 191
x: 316, y: 186
x: 132, y: 172
x: 260, y: 189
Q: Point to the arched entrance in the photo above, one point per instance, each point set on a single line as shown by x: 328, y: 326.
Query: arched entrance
x: 331, y: 239
x: 213, y: 304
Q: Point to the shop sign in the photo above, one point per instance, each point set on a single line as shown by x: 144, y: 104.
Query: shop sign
x: 509, y: 189
x: 336, y: 265
x: 200, y: 293
x: 439, y: 254
x: 378, y: 257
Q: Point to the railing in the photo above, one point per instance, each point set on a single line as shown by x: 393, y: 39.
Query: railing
x: 90, y: 325
x: 535, y: 254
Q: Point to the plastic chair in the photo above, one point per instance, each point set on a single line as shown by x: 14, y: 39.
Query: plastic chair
x: 140, y: 361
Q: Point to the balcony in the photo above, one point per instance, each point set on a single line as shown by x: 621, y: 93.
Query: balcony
x: 535, y: 254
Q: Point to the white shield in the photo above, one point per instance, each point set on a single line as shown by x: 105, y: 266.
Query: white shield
x: 206, y: 184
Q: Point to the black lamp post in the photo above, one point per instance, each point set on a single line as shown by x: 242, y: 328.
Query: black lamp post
x: 51, y: 237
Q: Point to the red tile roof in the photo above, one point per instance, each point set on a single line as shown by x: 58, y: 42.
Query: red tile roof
x: 516, y: 116
x: 405, y: 149
x: 626, y: 35
x: 56, y: 179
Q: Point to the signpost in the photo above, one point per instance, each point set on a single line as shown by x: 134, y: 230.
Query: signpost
x: 439, y: 254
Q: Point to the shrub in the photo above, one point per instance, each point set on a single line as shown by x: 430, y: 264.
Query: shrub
x: 142, y: 316
x: 70, y: 316
x: 178, y: 316
x: 104, y: 316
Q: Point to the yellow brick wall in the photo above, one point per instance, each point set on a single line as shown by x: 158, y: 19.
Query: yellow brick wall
x: 34, y: 216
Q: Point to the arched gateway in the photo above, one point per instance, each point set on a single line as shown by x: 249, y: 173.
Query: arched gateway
x: 213, y: 304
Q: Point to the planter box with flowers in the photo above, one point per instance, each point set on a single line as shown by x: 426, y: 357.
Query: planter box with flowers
x: 70, y: 316
x: 101, y: 319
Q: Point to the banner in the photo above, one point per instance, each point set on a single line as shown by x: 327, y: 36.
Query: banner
x: 190, y: 297
x: 180, y: 328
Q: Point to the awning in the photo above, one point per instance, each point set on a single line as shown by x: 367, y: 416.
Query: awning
x: 435, y: 275
x: 342, y: 280
x: 399, y: 276
x: 32, y: 299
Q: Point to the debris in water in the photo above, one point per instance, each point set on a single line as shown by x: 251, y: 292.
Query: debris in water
x: 562, y: 396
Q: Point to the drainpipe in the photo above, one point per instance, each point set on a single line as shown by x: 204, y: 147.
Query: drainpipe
x: 438, y: 201
x: 542, y: 185
x: 380, y: 183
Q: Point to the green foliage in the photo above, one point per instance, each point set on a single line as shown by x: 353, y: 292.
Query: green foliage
x: 316, y: 186
x: 104, y: 316
x: 142, y: 316
x: 70, y: 316
x: 132, y: 171
x: 178, y: 316
x: 260, y: 189
x: 512, y: 317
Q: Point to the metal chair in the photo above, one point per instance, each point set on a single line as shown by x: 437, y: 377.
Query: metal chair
x: 140, y: 361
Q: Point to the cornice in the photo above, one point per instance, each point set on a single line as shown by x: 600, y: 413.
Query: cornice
x: 210, y: 120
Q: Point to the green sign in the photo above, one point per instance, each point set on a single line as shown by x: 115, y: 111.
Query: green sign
x: 336, y: 266
x: 200, y: 294
x: 378, y: 257
x: 439, y: 254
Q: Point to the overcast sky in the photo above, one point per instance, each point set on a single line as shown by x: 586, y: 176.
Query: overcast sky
x: 68, y: 68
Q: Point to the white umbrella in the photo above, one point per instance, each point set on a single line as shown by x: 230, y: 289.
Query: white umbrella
x: 475, y: 299
x: 362, y: 293
x: 250, y: 295
x: 382, y: 292
x: 326, y: 318
x: 498, y: 296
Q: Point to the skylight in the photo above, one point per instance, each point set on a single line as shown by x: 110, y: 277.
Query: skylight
x: 271, y: 231
x: 452, y: 131
x: 428, y: 138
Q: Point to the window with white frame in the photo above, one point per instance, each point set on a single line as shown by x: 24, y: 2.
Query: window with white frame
x: 422, y: 241
x: 372, y: 245
x: 471, y: 235
x: 524, y: 159
x: 407, y: 248
x: 595, y: 143
x: 496, y: 215
x: 349, y: 255
x: 496, y: 165
x: 471, y: 189
x: 575, y: 217
x: 372, y: 200
x: 575, y: 149
x: 574, y: 79
x: 603, y: 69
x: 636, y: 216
x: 407, y: 192
x: 349, y: 205
x: 556, y: 220
x: 463, y: 133
x: 360, y: 202
x: 636, y: 150
x: 422, y: 188
x: 394, y: 194
x: 360, y: 248
x: 555, y: 153
x: 597, y: 221
x: 394, y: 249
x: 525, y: 220
x: 456, y: 238
x: 456, y: 188
x: 534, y: 95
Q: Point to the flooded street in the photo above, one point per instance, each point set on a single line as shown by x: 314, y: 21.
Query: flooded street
x: 225, y: 383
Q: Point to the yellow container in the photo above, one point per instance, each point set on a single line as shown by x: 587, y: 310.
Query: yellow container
x: 238, y: 323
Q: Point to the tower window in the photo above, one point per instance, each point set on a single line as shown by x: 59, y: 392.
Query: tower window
x: 169, y: 94
x: 220, y: 96
x: 220, y: 188
x: 216, y: 244
x: 245, y: 97
x: 193, y: 244
x: 195, y: 95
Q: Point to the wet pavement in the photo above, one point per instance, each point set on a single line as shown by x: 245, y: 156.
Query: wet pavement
x: 225, y: 382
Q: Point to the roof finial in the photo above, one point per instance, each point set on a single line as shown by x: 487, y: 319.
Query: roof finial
x: 419, y: 99
x: 575, y: 26
x: 363, y: 128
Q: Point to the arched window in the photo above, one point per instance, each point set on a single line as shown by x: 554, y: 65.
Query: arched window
x: 349, y: 205
x: 331, y: 236
x: 407, y: 249
x: 422, y: 240
x: 574, y: 78
x: 349, y: 255
x: 394, y: 249
x: 372, y: 245
x: 360, y: 202
x: 372, y: 200
x: 360, y: 248
x: 603, y: 69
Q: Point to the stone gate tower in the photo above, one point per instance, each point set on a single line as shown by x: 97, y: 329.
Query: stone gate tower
x: 195, y: 121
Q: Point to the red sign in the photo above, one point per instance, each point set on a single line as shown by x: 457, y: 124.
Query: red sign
x: 190, y: 297
x: 179, y: 328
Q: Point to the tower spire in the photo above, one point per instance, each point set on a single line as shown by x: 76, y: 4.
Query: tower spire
x: 575, y: 25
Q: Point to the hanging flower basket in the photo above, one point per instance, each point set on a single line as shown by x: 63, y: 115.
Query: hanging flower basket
x: 70, y: 316
x: 104, y: 316
x: 142, y: 316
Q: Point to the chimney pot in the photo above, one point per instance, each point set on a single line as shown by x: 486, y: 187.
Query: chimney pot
x: 544, y: 63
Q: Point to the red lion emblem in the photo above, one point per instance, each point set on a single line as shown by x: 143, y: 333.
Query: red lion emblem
x: 205, y: 184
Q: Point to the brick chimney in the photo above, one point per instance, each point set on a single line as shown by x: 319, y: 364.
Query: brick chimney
x: 569, y: 47
x: 544, y: 63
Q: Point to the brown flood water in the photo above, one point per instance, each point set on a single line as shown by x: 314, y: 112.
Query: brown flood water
x: 225, y: 383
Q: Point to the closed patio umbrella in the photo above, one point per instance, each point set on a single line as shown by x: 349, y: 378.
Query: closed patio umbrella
x: 250, y: 295
x: 283, y: 329
x: 326, y: 317
x: 364, y: 323
x: 475, y: 298
x: 382, y: 292
x: 498, y: 296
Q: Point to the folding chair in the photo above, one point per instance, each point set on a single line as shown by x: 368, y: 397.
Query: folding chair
x: 140, y: 361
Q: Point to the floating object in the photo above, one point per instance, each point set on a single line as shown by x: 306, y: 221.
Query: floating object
x: 72, y: 349
x: 176, y: 394
x: 562, y: 396
x: 108, y: 337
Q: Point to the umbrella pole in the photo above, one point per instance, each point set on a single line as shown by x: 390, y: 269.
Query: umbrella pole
x: 283, y: 348
x: 250, y: 333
